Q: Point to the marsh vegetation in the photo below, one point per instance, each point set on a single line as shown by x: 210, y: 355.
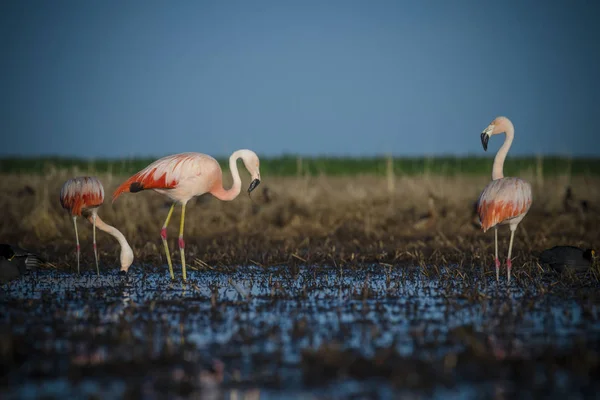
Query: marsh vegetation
x: 330, y: 285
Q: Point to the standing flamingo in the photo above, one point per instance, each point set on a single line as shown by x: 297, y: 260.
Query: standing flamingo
x: 504, y: 200
x: 183, y: 176
x: 82, y: 196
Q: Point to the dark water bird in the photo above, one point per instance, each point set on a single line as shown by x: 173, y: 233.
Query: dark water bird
x: 8, y: 271
x: 82, y: 196
x: 23, y: 258
x: 15, y: 261
x: 504, y: 201
x: 562, y: 258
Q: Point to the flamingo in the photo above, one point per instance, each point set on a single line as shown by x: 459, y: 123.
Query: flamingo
x: 504, y: 200
x: 183, y: 176
x: 82, y: 196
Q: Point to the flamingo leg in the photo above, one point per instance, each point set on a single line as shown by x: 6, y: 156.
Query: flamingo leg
x: 496, y: 260
x: 163, y: 235
x: 95, y: 248
x: 76, y: 241
x: 182, y: 243
x: 508, y: 262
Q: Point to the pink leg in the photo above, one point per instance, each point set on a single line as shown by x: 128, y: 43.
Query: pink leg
x: 496, y: 259
x: 76, y: 241
x: 95, y: 248
x: 510, y: 244
x: 96, y: 257
x: 497, y: 269
x: 78, y: 252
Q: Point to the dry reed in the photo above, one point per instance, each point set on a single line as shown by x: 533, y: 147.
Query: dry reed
x: 304, y: 220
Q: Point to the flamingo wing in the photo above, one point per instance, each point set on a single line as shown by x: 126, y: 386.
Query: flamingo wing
x: 165, y: 173
x: 502, y: 200
x: 80, y: 193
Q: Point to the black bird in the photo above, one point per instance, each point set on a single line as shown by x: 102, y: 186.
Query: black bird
x: 23, y: 259
x: 8, y: 271
x: 568, y: 257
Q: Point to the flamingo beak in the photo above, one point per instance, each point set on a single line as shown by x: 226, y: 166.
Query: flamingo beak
x: 253, y: 185
x: 485, y: 136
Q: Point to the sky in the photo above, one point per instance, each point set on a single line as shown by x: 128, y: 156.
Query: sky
x: 135, y: 78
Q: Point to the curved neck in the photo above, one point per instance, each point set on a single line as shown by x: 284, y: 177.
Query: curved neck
x: 112, y: 231
x: 231, y: 193
x: 498, y: 170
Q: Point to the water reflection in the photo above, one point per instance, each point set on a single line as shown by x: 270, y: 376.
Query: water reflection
x: 241, y: 332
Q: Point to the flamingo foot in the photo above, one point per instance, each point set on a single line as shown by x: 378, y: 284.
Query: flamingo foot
x: 497, y: 269
x: 508, y: 268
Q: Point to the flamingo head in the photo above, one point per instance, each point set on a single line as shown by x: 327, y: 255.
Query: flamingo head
x: 498, y: 125
x: 252, y: 164
x: 126, y: 258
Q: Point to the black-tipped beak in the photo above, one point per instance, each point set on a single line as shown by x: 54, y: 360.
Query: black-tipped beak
x: 253, y: 185
x: 484, y: 140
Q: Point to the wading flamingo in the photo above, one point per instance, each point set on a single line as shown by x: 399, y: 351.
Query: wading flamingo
x: 504, y: 200
x: 82, y: 196
x: 183, y: 176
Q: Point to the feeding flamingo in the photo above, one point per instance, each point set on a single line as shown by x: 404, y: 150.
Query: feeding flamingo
x: 82, y: 196
x: 504, y: 200
x: 183, y: 176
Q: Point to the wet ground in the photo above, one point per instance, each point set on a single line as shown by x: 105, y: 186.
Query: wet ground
x: 289, y: 332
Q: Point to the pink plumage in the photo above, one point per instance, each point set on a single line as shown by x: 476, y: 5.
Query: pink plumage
x: 81, y: 193
x: 188, y: 169
x: 503, y: 200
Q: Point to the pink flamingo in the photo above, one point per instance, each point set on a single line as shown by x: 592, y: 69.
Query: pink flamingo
x: 183, y: 176
x: 504, y: 200
x: 81, y: 197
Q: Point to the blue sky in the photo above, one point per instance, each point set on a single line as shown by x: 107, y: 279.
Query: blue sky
x: 150, y: 78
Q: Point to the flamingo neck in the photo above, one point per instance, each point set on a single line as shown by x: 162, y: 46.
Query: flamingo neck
x: 111, y: 230
x: 231, y: 193
x: 498, y: 170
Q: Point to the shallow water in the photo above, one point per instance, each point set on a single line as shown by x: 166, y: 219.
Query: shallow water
x: 367, y: 331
